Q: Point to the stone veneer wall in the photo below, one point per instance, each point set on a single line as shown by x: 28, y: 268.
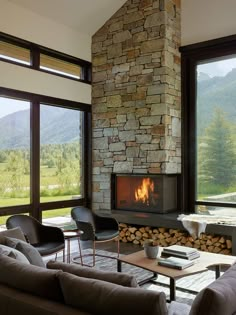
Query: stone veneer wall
x: 136, y: 94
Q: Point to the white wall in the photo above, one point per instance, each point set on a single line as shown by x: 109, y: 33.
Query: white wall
x: 207, y: 19
x: 33, y: 81
x: 24, y: 24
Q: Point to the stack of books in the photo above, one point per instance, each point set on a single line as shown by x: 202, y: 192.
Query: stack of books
x: 180, y: 252
x: 174, y: 262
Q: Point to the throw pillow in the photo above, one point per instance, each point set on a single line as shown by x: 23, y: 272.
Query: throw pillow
x: 113, y: 277
x: 32, y: 279
x: 15, y: 232
x: 28, y: 250
x: 100, y: 297
x: 5, y: 250
x: 13, y: 253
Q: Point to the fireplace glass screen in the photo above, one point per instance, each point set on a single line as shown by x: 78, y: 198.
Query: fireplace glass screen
x: 146, y: 193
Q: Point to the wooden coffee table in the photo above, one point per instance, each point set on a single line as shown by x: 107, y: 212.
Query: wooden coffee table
x: 201, y: 264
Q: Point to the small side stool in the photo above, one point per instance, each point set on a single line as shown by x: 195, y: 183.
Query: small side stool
x: 69, y: 235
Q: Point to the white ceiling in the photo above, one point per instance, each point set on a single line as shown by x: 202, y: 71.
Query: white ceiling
x: 86, y: 16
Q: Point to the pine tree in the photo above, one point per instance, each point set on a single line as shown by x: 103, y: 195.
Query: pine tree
x: 216, y: 153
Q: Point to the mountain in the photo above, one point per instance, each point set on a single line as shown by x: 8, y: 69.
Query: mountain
x: 203, y: 76
x: 57, y: 126
x: 216, y: 92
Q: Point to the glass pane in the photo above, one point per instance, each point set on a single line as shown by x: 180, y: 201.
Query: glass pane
x: 59, y: 217
x: 60, y: 153
x: 14, y: 53
x: 60, y: 66
x: 14, y: 152
x: 216, y: 131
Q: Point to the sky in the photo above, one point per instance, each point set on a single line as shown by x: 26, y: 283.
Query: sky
x: 9, y: 106
x: 218, y: 68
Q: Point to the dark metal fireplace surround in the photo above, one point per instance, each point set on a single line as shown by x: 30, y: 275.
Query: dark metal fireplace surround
x: 145, y: 193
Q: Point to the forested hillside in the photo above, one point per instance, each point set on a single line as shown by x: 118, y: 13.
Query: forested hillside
x: 57, y: 127
x: 216, y: 92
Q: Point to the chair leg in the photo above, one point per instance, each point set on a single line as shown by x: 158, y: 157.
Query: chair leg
x: 94, y: 254
x: 118, y: 247
x: 80, y: 253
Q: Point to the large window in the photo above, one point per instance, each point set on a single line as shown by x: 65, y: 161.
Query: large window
x: 209, y: 147
x: 44, y: 159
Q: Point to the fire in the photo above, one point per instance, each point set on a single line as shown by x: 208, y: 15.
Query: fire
x: 142, y: 193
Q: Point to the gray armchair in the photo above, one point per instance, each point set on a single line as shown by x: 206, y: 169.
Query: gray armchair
x: 95, y: 228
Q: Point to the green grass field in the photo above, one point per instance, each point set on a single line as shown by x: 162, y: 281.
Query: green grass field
x: 46, y: 214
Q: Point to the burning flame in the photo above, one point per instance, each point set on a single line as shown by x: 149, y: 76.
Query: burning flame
x: 143, y: 191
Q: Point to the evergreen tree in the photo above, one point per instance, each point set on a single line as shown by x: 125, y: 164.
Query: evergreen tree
x: 216, y: 153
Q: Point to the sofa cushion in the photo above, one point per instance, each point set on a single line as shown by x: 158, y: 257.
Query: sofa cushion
x: 219, y: 297
x: 13, y: 253
x: 28, y: 250
x: 100, y: 297
x: 32, y: 279
x: 16, y: 302
x: 15, y: 233
x: 113, y: 277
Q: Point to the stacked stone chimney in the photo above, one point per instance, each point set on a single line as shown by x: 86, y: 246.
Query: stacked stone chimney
x: 136, y: 94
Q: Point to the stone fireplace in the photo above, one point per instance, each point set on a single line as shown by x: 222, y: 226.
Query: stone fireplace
x: 136, y: 95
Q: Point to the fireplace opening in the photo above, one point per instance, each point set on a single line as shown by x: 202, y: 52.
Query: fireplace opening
x: 155, y: 193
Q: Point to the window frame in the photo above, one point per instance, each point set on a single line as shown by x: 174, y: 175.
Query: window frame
x: 191, y: 56
x: 36, y: 207
x: 35, y: 51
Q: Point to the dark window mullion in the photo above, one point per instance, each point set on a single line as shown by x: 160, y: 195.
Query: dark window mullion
x: 86, y: 157
x: 35, y: 160
x: 35, y: 57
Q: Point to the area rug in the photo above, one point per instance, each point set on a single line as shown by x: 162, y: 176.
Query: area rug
x: 195, y: 282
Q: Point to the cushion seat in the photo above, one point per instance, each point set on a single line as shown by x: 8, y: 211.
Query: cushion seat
x: 104, y: 235
x: 47, y: 248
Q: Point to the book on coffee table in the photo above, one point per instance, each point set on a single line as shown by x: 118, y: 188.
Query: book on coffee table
x: 181, y: 252
x: 174, y: 262
x: 192, y: 256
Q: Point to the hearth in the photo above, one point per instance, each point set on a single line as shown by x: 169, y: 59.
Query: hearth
x: 147, y: 193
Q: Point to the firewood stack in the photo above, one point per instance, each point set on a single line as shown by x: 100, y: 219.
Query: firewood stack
x: 165, y: 236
